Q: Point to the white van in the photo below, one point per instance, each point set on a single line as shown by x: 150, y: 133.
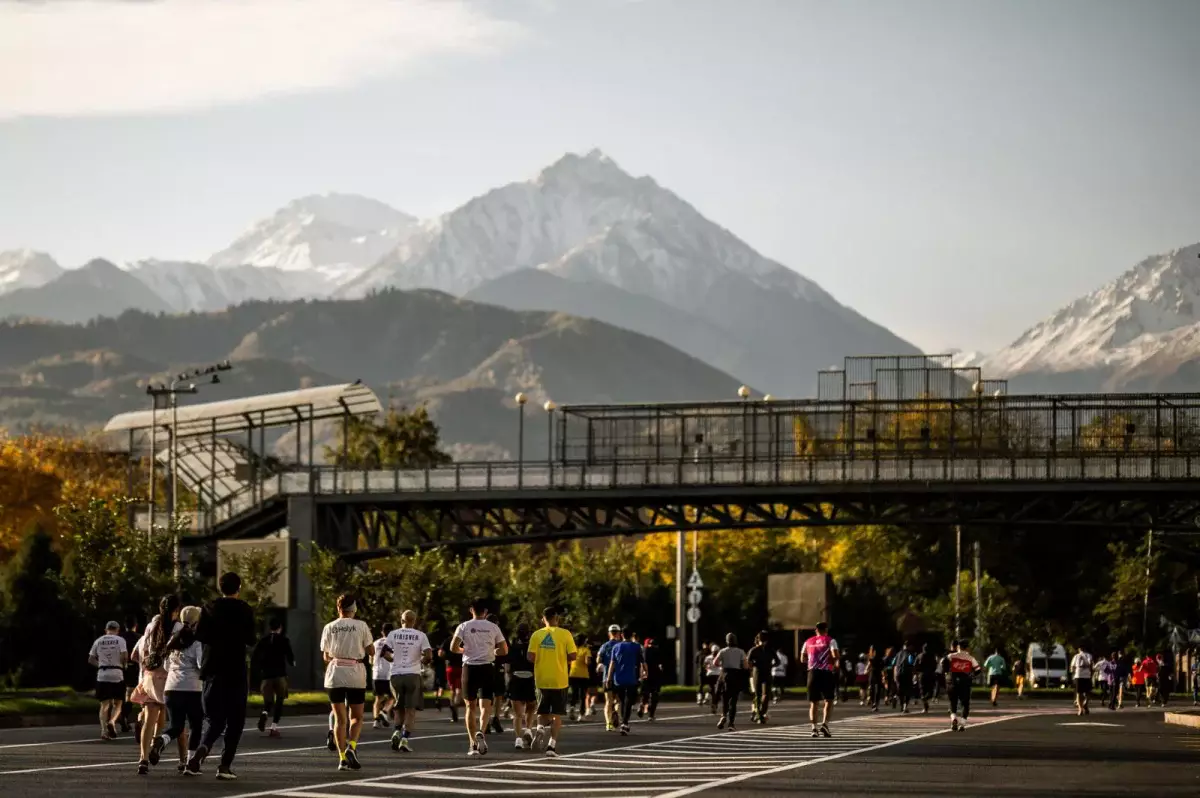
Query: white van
x: 1045, y: 672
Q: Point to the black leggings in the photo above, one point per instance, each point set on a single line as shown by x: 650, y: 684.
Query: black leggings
x: 904, y: 689
x: 960, y: 694
x: 874, y: 692
x: 762, y: 694
x: 732, y: 684
x: 185, y: 707
x: 650, y: 693
x: 626, y: 698
x: 579, y: 694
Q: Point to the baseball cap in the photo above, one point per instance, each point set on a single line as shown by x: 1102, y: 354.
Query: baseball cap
x: 614, y: 628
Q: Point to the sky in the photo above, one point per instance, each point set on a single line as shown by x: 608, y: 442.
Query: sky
x: 955, y: 170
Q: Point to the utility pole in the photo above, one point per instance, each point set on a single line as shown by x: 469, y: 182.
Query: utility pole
x: 681, y: 649
x: 957, y: 582
x: 980, y: 639
x: 1146, y: 597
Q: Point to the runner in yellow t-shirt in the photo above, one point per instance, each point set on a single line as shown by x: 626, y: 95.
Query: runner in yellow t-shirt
x: 552, y: 651
x: 580, y: 680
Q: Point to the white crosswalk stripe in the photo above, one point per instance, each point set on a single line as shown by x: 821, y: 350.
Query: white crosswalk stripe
x: 661, y: 769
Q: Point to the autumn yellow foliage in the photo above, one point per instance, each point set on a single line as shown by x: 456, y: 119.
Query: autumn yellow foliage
x: 39, y: 472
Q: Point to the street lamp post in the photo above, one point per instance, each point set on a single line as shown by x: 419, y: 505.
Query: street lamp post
x: 520, y: 399
x: 744, y: 393
x: 171, y: 393
x: 550, y: 408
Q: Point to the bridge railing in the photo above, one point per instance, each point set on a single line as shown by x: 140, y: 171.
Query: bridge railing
x: 474, y: 478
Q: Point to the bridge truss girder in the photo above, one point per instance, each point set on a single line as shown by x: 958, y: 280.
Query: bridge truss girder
x: 367, y: 528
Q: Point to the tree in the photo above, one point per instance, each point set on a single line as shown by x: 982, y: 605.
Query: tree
x: 260, y: 571
x: 403, y: 439
x: 34, y: 613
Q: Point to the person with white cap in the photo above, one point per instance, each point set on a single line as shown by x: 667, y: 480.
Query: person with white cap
x: 109, y: 656
x: 603, y: 661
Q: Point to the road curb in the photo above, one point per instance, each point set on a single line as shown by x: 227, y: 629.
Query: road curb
x: 1191, y: 719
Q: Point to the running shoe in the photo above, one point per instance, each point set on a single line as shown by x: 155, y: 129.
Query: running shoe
x: 352, y: 759
x: 528, y: 738
x: 519, y: 744
x: 112, y: 732
x: 262, y: 722
x: 962, y: 725
x: 610, y: 727
x: 396, y: 738
x: 330, y: 743
x: 377, y: 724
x: 196, y: 760
x: 481, y: 743
x: 731, y: 728
x: 383, y: 721
x: 404, y: 745
x: 274, y: 733
x: 763, y: 719
x: 624, y: 729
x: 699, y: 699
x: 573, y: 715
x: 824, y: 729
x: 721, y: 723
x: 551, y: 751
x: 342, y: 765
x: 815, y: 733
x: 954, y: 724
x: 225, y: 774
x: 143, y: 768
x: 181, y: 767
x: 156, y: 750
x: 536, y: 740
x: 651, y: 718
x: 473, y: 751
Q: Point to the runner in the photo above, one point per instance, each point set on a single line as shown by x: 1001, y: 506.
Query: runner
x: 453, y: 676
x: 1019, y: 677
x: 860, y: 679
x: 344, y: 643
x: 1137, y: 681
x: 701, y: 668
x: 272, y: 657
x: 875, y: 692
x: 653, y: 681
x: 1150, y: 676
x: 821, y: 655
x: 1106, y: 671
x: 995, y: 667
x: 779, y: 675
x: 889, y: 679
x: 627, y: 667
x: 762, y: 664
x: 735, y: 672
x: 109, y: 657
x: 185, y: 709
x: 927, y: 663
x: 409, y: 652
x: 961, y: 668
x: 712, y: 676
x: 902, y: 670
x: 133, y: 674
x: 479, y: 641
x: 580, y: 678
x: 151, y: 654
x: 227, y: 630
x: 603, y: 660
x: 1081, y: 672
x: 381, y: 681
x: 440, y: 683
x: 522, y: 691
x: 1166, y: 678
x: 551, y: 650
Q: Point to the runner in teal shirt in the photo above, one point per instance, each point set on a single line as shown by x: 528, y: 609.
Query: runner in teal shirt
x: 995, y: 667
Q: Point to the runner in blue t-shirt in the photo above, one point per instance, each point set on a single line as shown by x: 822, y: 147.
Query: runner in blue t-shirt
x: 603, y: 659
x: 627, y: 669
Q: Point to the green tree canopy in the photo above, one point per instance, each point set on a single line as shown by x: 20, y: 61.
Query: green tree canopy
x: 402, y: 439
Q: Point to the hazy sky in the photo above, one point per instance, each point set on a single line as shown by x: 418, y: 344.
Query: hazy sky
x: 955, y: 170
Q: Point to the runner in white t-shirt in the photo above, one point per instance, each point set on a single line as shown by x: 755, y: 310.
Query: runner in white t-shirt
x: 109, y: 655
x: 344, y: 644
x: 479, y: 641
x: 381, y: 679
x: 411, y: 652
x: 1081, y: 672
x: 778, y: 675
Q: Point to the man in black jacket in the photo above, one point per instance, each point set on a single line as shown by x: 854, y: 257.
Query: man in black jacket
x: 226, y: 629
x: 271, y: 659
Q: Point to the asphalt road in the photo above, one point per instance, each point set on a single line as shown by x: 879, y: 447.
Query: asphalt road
x: 1017, y: 750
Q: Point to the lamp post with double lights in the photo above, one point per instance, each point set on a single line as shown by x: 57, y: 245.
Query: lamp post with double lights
x: 550, y: 407
x: 170, y: 393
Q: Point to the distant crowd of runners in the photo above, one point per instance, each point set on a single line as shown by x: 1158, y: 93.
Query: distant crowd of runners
x: 187, y: 675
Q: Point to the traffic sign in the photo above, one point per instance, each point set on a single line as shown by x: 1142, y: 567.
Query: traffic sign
x: 695, y: 582
x: 694, y: 597
x: 693, y: 614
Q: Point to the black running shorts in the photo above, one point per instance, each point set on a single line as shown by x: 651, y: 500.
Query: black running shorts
x: 521, y: 689
x: 110, y: 691
x: 822, y: 685
x: 352, y: 696
x: 552, y: 702
x: 383, y: 688
x: 1083, y: 686
x: 479, y: 682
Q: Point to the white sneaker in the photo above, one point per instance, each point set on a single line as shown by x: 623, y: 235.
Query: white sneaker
x: 473, y: 751
x: 520, y: 744
x: 538, y: 740
x: 481, y: 743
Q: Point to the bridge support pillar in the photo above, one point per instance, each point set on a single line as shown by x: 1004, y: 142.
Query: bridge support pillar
x: 303, y: 624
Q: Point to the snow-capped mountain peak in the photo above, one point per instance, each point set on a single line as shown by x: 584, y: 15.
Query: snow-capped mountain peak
x: 26, y: 268
x: 334, y: 235
x: 1118, y: 324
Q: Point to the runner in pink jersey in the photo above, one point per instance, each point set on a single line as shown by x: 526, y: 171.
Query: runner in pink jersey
x: 821, y: 656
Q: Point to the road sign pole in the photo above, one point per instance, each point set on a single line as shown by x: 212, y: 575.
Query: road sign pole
x: 681, y: 643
